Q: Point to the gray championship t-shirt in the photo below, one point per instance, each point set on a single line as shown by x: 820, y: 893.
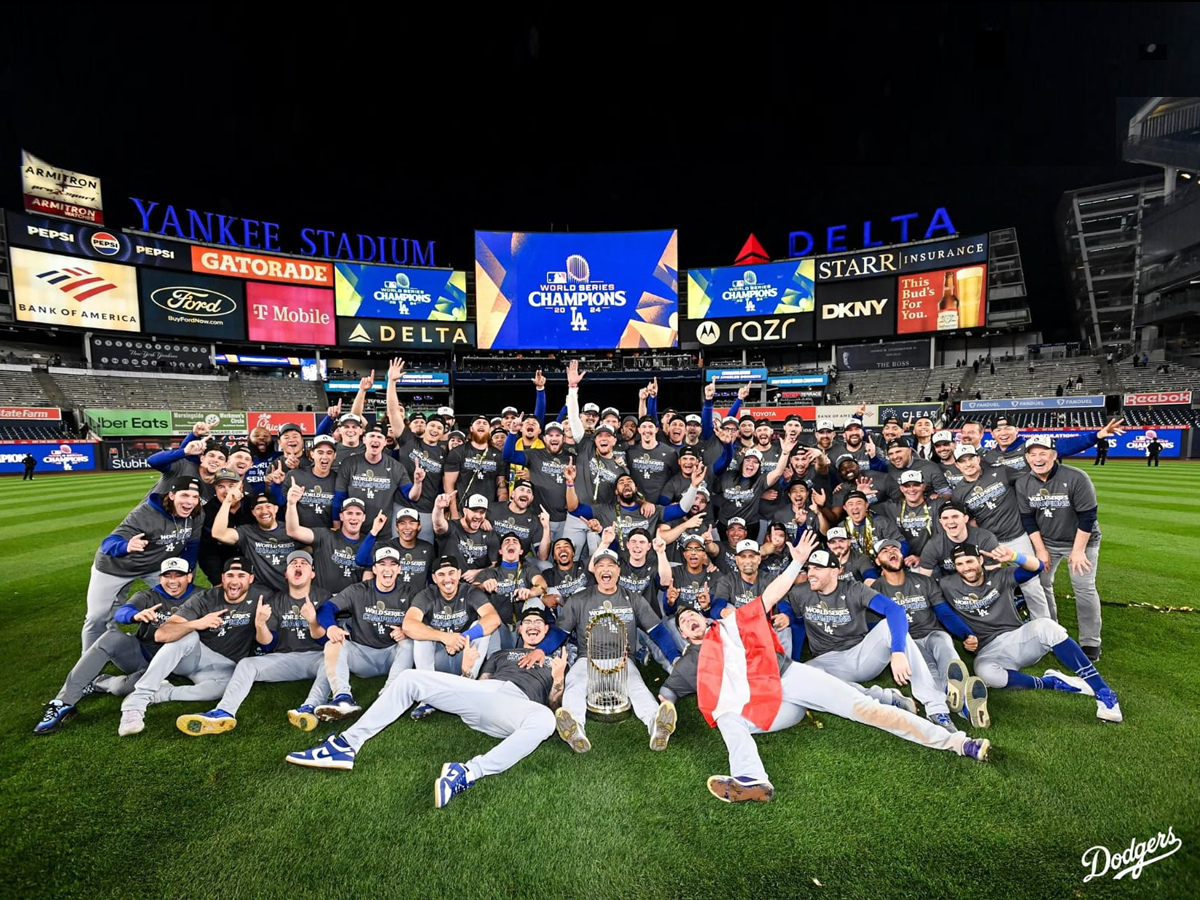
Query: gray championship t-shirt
x: 992, y: 502
x: 373, y: 613
x: 588, y: 604
x: 988, y: 609
x: 833, y: 621
x: 233, y: 638
x: 1057, y: 502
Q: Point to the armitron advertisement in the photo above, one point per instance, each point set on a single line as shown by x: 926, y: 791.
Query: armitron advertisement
x: 758, y: 290
x: 75, y: 293
x: 386, y: 292
x: 577, y: 291
x: 50, y: 190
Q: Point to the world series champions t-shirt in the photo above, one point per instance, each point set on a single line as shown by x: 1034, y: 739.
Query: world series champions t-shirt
x: 454, y: 614
x: 652, y: 469
x: 992, y: 502
x: 268, y: 552
x: 509, y: 579
x: 918, y: 595
x: 588, y: 604
x: 549, y: 484
x: 433, y: 460
x: 288, y: 624
x: 166, y: 536
x: 479, y: 471
x: 376, y: 484
x: 1057, y: 502
x: 148, y: 598
x: 472, y: 549
x: 535, y: 682
x: 525, y: 525
x: 316, y: 506
x: 234, y: 637
x: 334, y: 560
x: 373, y: 613
x: 989, y: 609
x: 414, y: 565
x: 833, y: 621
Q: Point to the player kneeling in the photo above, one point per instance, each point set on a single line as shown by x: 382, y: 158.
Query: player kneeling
x: 510, y: 701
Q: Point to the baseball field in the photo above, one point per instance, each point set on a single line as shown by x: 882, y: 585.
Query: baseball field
x: 857, y: 813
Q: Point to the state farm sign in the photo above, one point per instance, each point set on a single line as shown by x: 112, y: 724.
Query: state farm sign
x: 29, y: 412
x: 1159, y: 398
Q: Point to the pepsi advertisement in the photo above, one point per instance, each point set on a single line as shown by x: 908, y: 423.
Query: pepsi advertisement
x: 76, y: 456
x: 564, y: 291
x: 93, y: 242
x: 387, y: 292
x: 759, y: 290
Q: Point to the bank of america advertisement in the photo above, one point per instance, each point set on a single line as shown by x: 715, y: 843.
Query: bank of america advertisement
x: 757, y: 290
x: 386, y: 292
x: 49, y: 289
x: 568, y: 291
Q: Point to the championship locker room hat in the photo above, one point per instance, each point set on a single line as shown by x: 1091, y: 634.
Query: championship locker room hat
x: 825, y: 425
x: 509, y: 411
x: 417, y: 415
x: 693, y: 419
x: 226, y: 475
x: 239, y: 448
x: 382, y: 553
x: 755, y: 453
x: 447, y: 411
x: 321, y: 439
x: 637, y: 531
x: 183, y: 483
x: 606, y: 429
x: 964, y: 550
x: 290, y: 426
x: 690, y: 451
x: 535, y: 611
x: 746, y: 547
x: 458, y: 434
x: 856, y: 495
x: 377, y: 428
x: 554, y: 426
x: 644, y: 419
x: 509, y: 535
x: 729, y: 420
x: 891, y: 420
x: 483, y: 418
x: 607, y: 554
x: 477, y: 501
x: 610, y: 411
x: 355, y: 501
x: 350, y: 418
x: 843, y: 457
x: 264, y: 497
x: 746, y: 417
x: 522, y: 482
x: 942, y: 437
x: 736, y: 520
x: 408, y: 513
x: 852, y: 423
x: 174, y: 564
x: 965, y: 450
x: 953, y: 506
x: 299, y: 554
x: 823, y: 559
x: 591, y: 408
x: 1003, y: 422
x: 911, y: 476
x: 834, y: 534
x: 899, y: 442
x: 689, y: 539
x: 237, y: 564
x: 1039, y: 440
x: 793, y: 418
x: 880, y: 546
x: 210, y: 445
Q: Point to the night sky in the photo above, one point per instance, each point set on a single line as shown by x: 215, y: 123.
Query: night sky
x: 595, y: 117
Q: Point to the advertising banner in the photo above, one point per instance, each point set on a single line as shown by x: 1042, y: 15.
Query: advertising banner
x: 752, y: 374
x: 942, y: 300
x: 93, y: 242
x: 1093, y: 402
x: 76, y: 456
x: 890, y: 355
x: 219, y: 422
x: 127, y: 456
x: 565, y: 291
x: 407, y: 380
x: 904, y: 258
x: 1130, y: 445
x: 796, y: 328
x: 286, y: 314
x: 386, y: 292
x: 840, y: 414
x: 798, y: 380
x: 906, y: 412
x: 130, y: 422
x: 273, y: 421
x: 148, y: 355
x: 278, y: 269
x: 390, y: 333
x: 58, y: 290
x: 856, y: 309
x: 764, y: 289
x: 196, y: 306
x: 236, y: 359
x: 779, y: 413
x: 29, y: 414
x: 1158, y: 398
x: 50, y: 190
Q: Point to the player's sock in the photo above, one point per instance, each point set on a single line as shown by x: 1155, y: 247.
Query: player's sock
x: 1019, y: 681
x: 1070, y: 654
x: 474, y: 773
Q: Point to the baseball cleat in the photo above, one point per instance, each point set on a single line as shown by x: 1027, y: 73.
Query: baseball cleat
x: 343, y: 706
x: 1107, y: 707
x: 569, y: 731
x: 729, y: 789
x: 303, y: 717
x: 898, y: 700
x: 335, y: 753
x: 1092, y: 653
x: 1072, y: 684
x: 133, y: 721
x: 56, y: 714
x: 215, y: 721
x: 956, y: 684
x: 91, y: 688
x: 942, y: 720
x: 423, y: 711
x: 664, y: 725
x: 455, y: 779
x: 977, y: 699
x: 977, y: 749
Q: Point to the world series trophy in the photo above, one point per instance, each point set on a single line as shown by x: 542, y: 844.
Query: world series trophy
x: 607, y: 674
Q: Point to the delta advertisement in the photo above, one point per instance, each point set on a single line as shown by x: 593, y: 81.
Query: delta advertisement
x: 942, y: 300
x: 385, y: 292
x: 76, y: 456
x: 92, y: 242
x: 565, y: 291
x: 765, y: 289
x: 67, y: 292
x: 1130, y: 445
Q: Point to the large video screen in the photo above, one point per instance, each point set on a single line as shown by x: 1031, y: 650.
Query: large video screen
x: 386, y: 292
x: 569, y: 291
x: 942, y: 300
x: 759, y: 290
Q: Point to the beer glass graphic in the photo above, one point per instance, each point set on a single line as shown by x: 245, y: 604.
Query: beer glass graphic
x: 970, y: 292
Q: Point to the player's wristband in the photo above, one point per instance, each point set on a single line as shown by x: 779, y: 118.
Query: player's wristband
x: 570, y: 484
x: 1020, y: 559
x: 474, y: 633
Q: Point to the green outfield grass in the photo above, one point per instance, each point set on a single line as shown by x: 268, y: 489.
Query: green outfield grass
x: 857, y: 814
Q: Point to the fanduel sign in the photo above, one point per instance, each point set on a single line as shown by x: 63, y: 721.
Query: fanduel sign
x: 257, y: 234
x: 900, y: 230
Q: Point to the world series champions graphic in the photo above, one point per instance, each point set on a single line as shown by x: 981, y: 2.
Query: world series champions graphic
x: 767, y: 289
x: 577, y: 291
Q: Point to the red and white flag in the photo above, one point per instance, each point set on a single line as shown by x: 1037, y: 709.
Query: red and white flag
x: 738, y: 670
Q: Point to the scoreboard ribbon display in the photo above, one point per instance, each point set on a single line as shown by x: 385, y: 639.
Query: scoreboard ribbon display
x: 577, y: 291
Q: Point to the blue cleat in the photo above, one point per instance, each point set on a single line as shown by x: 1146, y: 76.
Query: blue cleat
x: 55, y: 715
x: 335, y: 753
x: 423, y: 711
x: 215, y: 721
x: 303, y: 717
x: 943, y: 721
x: 977, y: 700
x: 1107, y: 707
x: 455, y: 779
x: 343, y: 706
x: 728, y: 789
x: 956, y: 684
x: 977, y: 749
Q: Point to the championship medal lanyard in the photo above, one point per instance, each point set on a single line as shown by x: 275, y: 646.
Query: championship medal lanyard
x: 478, y: 468
x: 868, y: 538
x: 924, y: 507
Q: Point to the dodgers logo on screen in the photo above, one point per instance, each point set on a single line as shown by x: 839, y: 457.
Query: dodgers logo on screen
x: 400, y: 293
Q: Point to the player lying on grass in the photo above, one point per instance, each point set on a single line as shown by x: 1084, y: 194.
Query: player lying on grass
x: 510, y: 700
x: 746, y: 685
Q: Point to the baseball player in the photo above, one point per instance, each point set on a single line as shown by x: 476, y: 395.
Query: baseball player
x: 866, y: 527
x: 509, y: 700
x: 856, y: 565
x: 943, y: 458
x: 295, y: 650
x: 128, y: 652
x: 318, y: 480
x: 265, y: 542
x: 163, y: 526
x: 203, y: 642
x: 737, y: 589
x: 1005, y: 643
x: 746, y: 692
x: 915, y: 515
x: 519, y: 516
x: 475, y: 546
x: 335, y: 552
x: 956, y: 528
x: 197, y: 457
x: 477, y: 467
x: 510, y: 585
x: 416, y: 555
x: 376, y: 478
x: 568, y: 575
x: 546, y: 471
x: 448, y: 616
